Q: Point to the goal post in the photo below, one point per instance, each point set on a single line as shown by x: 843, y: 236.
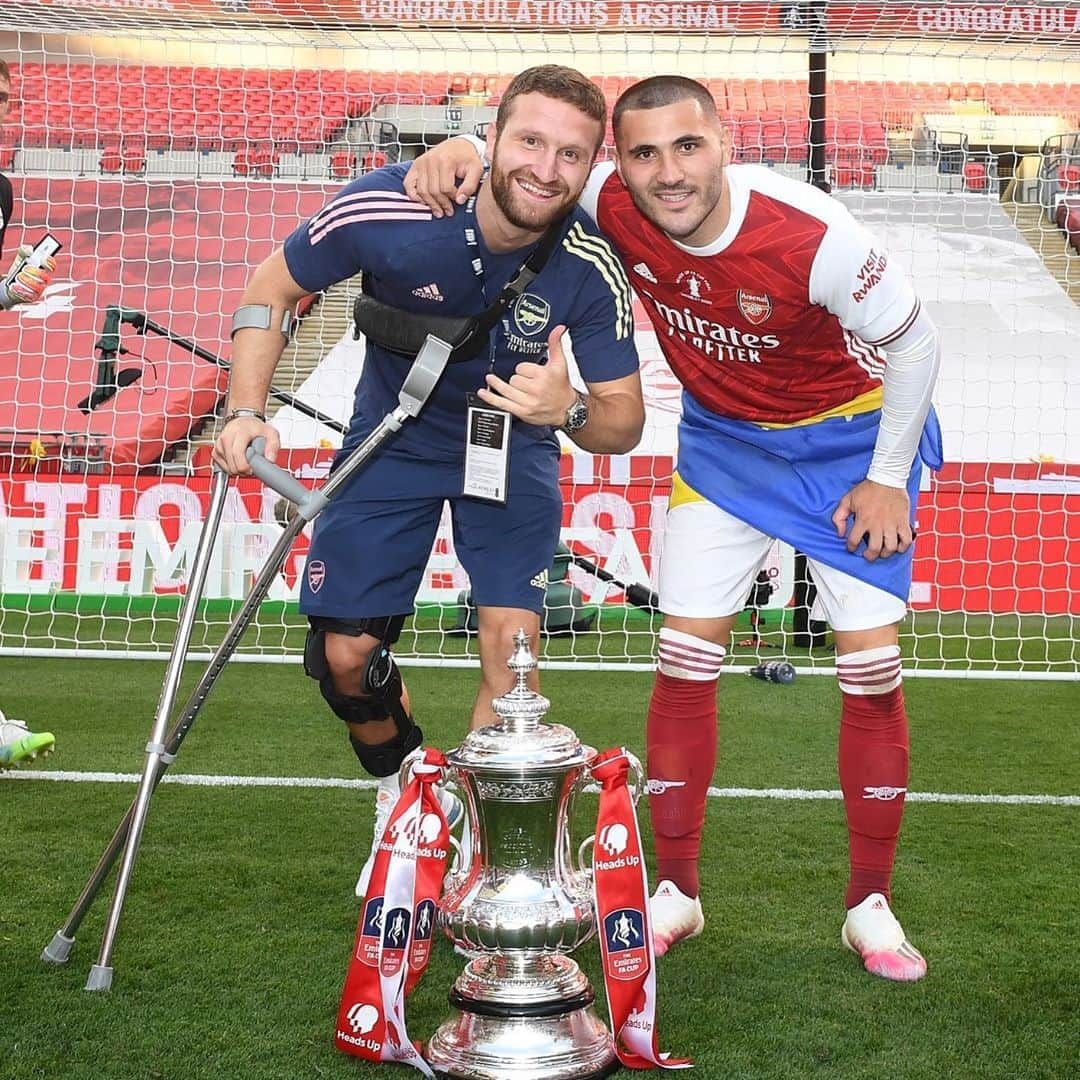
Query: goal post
x: 171, y: 145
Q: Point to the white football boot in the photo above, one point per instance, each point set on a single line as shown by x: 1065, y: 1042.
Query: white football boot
x: 872, y: 931
x: 674, y: 916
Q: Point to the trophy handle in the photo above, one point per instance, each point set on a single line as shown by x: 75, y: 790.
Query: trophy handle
x: 636, y: 791
x: 583, y: 866
x: 405, y: 772
x: 457, y: 863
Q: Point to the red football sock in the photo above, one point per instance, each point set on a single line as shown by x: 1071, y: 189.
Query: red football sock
x: 873, y: 762
x: 680, y: 736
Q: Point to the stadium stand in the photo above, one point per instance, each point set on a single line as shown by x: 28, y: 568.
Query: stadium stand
x: 302, y: 111
x: 180, y: 252
x: 250, y: 118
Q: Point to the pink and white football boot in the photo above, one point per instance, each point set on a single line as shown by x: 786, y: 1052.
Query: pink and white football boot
x: 872, y: 931
x: 674, y: 916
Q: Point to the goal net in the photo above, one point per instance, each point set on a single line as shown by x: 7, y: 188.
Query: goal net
x: 171, y: 145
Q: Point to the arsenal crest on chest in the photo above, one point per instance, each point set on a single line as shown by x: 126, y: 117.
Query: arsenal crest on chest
x: 756, y: 307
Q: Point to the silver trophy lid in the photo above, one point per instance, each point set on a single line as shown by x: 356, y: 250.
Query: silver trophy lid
x: 521, y: 737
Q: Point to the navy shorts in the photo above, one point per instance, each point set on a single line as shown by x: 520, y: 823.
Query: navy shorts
x: 373, y: 540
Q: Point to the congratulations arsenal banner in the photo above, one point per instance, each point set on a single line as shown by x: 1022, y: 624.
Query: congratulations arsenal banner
x: 622, y: 912
x: 1055, y: 21
x: 393, y: 940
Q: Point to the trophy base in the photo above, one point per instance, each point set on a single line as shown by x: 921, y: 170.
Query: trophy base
x: 573, y: 1045
x: 513, y: 983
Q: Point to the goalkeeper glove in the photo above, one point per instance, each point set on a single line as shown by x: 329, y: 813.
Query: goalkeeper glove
x: 24, y: 283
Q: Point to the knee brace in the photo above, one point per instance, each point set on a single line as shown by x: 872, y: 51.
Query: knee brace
x: 380, y: 680
x: 385, y: 759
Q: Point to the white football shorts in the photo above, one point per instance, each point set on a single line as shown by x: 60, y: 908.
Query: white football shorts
x: 710, y: 560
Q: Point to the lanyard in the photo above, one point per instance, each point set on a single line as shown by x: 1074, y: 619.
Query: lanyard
x: 473, y: 244
x: 527, y: 272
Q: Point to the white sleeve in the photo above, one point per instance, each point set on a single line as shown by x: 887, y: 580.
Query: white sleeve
x: 912, y: 361
x: 854, y: 278
x: 478, y: 144
x: 590, y: 197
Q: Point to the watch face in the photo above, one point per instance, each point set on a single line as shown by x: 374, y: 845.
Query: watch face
x: 576, y: 416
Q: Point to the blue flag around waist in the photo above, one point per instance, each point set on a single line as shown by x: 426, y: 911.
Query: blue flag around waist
x: 787, y: 482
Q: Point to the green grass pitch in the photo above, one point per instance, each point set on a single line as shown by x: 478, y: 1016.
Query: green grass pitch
x: 239, y: 921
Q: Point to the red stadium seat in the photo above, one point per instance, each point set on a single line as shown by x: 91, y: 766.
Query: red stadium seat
x: 265, y: 161
x: 1072, y: 228
x: 134, y: 159
x: 374, y: 159
x: 1068, y: 177
x: 975, y: 178
x: 342, y: 164
x: 7, y: 158
x: 110, y: 160
x: 242, y: 165
x: 843, y: 176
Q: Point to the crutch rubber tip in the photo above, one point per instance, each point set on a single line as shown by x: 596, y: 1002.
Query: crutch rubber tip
x: 100, y: 978
x: 57, y: 951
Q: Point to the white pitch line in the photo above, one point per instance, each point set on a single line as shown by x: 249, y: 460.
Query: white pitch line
x: 813, y: 794
x: 791, y: 794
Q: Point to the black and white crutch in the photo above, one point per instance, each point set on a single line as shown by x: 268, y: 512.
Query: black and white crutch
x: 162, y: 748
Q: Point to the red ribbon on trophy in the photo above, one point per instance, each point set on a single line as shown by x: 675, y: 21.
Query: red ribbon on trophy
x: 622, y: 914
x: 393, y: 939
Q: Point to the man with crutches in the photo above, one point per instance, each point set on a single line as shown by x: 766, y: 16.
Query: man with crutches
x: 526, y: 266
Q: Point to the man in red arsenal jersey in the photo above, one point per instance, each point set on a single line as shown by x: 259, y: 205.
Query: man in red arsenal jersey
x: 807, y: 364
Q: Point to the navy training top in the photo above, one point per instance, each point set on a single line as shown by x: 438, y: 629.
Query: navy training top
x: 419, y: 263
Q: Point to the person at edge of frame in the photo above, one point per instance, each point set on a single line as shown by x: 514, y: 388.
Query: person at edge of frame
x: 20, y: 284
x: 372, y: 542
x: 808, y: 364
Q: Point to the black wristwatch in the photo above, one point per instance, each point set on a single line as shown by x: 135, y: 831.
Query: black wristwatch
x: 577, y: 416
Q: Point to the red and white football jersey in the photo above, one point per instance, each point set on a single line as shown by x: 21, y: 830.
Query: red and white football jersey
x: 783, y: 316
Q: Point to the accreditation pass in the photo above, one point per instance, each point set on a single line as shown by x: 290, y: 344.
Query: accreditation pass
x: 487, y: 451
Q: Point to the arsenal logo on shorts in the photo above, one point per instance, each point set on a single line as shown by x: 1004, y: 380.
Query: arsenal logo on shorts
x: 757, y: 307
x: 316, y: 575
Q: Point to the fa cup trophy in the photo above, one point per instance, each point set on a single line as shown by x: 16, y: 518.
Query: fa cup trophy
x: 523, y: 1008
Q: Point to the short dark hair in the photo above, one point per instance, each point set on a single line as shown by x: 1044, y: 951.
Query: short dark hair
x: 560, y: 83
x: 5, y: 71
x: 659, y: 91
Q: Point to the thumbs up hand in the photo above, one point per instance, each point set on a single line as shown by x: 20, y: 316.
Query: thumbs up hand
x: 536, y: 393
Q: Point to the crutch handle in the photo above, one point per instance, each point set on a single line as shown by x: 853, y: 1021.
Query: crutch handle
x: 308, y: 503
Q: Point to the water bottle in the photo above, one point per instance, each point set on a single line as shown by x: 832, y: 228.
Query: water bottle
x: 778, y: 671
